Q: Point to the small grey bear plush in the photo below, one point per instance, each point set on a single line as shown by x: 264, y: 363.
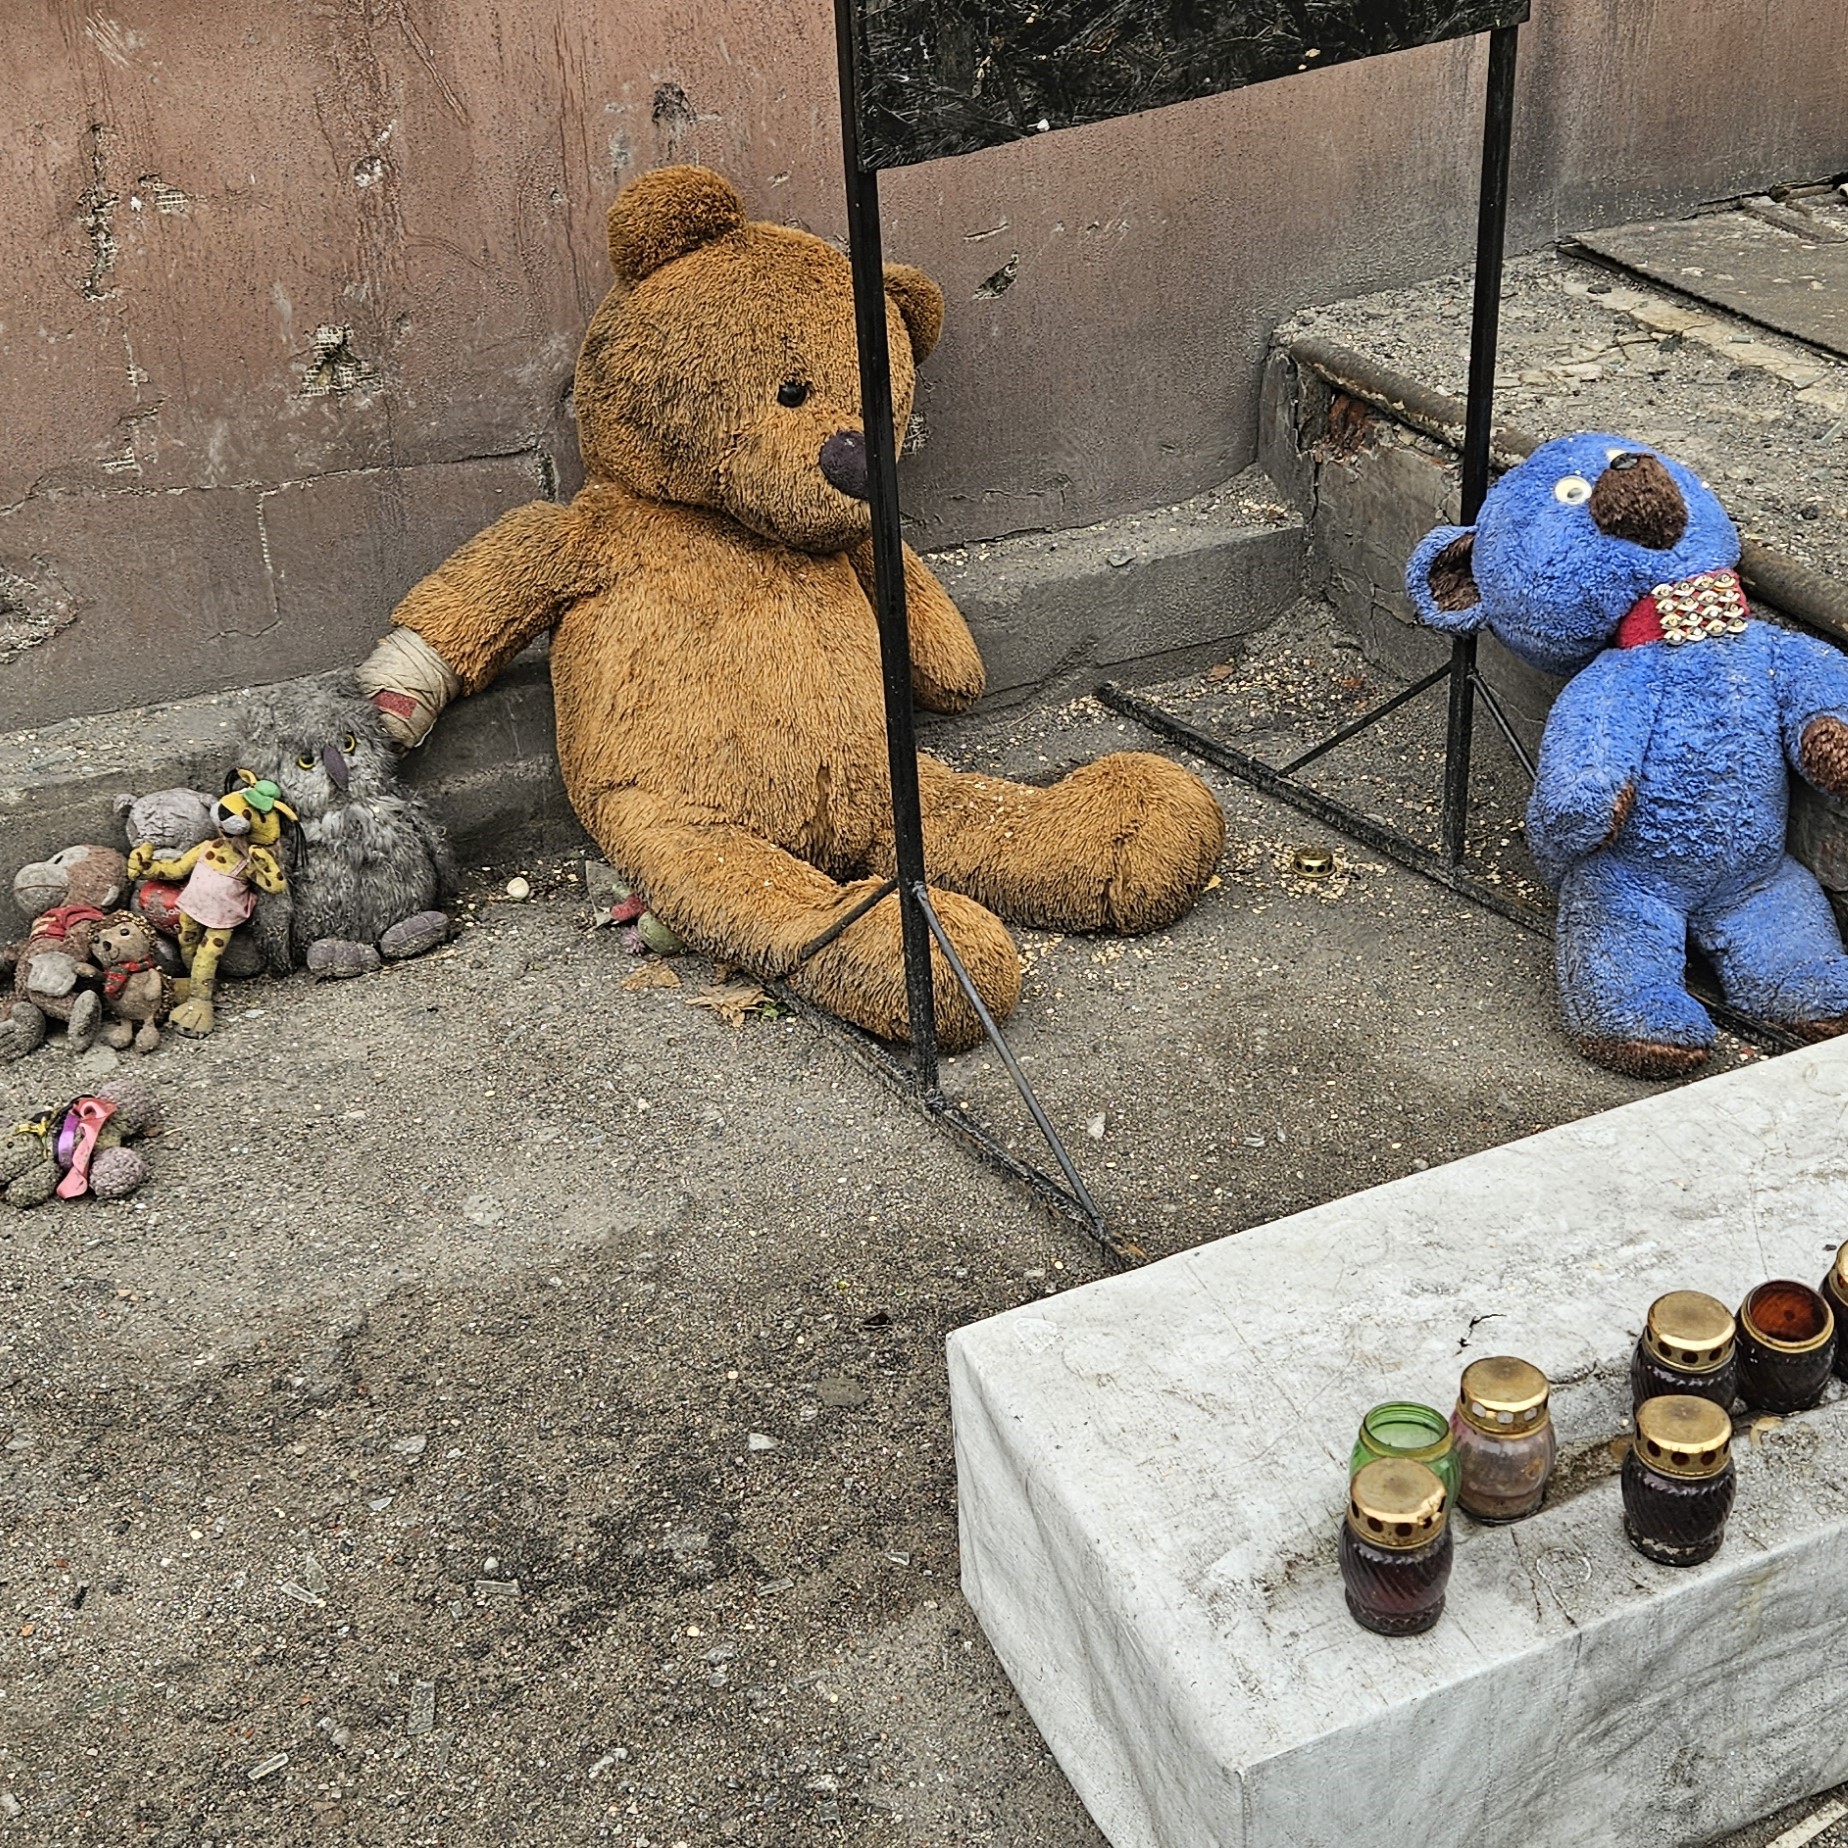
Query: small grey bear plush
x: 169, y: 820
x: 371, y: 873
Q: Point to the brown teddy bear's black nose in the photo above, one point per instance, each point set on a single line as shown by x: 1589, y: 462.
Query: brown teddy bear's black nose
x: 843, y: 461
x: 1636, y: 499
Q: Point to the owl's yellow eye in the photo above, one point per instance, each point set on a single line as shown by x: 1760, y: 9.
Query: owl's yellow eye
x: 306, y: 762
x: 348, y: 743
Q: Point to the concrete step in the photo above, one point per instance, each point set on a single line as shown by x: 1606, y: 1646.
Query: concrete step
x: 1152, y: 1472
x: 1139, y: 598
x: 1362, y: 427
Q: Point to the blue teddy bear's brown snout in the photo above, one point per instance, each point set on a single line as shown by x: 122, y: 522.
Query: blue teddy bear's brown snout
x: 1636, y: 499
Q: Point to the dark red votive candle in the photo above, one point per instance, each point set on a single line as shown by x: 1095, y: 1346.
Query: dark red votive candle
x: 1396, y: 1547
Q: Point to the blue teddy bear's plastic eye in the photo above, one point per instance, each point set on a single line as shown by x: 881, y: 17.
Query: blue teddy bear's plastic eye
x: 1574, y: 490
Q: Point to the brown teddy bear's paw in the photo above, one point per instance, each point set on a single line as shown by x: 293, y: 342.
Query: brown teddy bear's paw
x: 85, y: 1021
x: 861, y: 975
x: 1166, y: 835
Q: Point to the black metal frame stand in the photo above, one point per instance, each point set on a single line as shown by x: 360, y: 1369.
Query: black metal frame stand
x: 919, y: 1078
x: 1461, y: 675
x: 920, y: 924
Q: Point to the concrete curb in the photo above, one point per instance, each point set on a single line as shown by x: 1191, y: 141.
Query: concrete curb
x: 1143, y: 596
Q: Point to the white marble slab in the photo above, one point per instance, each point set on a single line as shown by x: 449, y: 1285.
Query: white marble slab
x: 1152, y: 1471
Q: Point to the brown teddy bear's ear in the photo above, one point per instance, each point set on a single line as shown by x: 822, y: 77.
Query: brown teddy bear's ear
x: 666, y: 213
x: 920, y: 301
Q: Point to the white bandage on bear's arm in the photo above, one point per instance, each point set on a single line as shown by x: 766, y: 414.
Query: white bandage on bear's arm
x: 410, y: 683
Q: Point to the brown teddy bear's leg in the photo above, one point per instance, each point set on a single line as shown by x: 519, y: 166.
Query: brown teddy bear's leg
x: 1124, y: 844
x: 740, y: 897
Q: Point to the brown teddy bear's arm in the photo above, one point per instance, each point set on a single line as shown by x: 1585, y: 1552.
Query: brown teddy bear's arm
x: 490, y: 598
x: 946, y: 669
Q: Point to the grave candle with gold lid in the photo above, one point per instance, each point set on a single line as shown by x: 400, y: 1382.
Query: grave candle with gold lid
x: 1786, y: 1346
x: 1678, y: 1480
x: 1505, y: 1441
x: 1835, y: 1293
x: 1396, y: 1547
x: 1687, y: 1346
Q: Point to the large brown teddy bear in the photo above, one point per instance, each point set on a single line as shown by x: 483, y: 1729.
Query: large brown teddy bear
x: 715, y: 661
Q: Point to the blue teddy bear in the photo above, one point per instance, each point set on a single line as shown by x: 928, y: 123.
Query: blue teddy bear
x: 1659, y: 808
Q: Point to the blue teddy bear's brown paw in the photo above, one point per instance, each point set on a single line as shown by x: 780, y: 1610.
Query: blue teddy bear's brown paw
x: 1825, y: 754
x: 1643, y: 1058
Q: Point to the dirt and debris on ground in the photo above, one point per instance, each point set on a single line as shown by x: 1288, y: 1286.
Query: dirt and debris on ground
x: 515, y: 1412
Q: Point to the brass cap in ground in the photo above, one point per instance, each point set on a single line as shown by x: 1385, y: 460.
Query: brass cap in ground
x: 1691, y: 1330
x: 1397, y: 1503
x: 1502, y: 1395
x: 1681, y: 1435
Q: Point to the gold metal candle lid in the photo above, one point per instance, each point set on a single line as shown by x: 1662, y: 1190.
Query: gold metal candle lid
x: 1840, y: 1272
x: 1503, y: 1396
x: 1682, y: 1436
x: 1397, y: 1503
x: 1690, y: 1330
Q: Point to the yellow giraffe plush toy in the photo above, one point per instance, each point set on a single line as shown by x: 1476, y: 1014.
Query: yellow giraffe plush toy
x: 223, y: 877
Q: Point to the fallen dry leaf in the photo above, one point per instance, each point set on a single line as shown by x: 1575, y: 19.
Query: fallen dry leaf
x: 731, y: 1001
x: 652, y: 975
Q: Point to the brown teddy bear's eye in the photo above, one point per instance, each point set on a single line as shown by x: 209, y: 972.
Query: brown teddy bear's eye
x: 791, y: 393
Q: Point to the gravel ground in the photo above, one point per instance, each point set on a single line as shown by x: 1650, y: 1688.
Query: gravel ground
x: 515, y: 1412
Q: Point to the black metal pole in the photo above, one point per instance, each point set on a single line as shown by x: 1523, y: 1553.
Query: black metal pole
x: 869, y: 315
x: 1491, y: 232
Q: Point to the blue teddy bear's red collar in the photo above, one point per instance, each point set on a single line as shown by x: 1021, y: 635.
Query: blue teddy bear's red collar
x: 1692, y: 609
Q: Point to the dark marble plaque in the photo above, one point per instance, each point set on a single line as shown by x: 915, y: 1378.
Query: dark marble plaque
x: 938, y: 77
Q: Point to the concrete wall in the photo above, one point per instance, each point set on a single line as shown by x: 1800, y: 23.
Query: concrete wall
x: 292, y: 294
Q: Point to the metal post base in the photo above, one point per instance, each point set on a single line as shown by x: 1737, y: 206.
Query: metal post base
x: 1067, y: 1195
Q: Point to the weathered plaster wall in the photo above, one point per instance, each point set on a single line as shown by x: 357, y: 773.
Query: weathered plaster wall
x: 291, y: 295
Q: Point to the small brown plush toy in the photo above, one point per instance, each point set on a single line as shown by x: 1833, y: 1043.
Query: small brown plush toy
x: 137, y: 993
x: 715, y: 662
x: 67, y: 897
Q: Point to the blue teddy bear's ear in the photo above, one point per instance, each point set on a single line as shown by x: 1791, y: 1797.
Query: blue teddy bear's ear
x: 1442, y: 584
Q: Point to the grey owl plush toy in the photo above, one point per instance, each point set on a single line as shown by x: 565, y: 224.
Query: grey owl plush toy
x: 369, y: 872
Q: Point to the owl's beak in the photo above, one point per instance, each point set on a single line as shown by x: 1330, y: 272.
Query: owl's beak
x: 336, y: 765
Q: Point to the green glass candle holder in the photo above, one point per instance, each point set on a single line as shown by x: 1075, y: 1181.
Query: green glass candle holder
x: 1417, y: 1433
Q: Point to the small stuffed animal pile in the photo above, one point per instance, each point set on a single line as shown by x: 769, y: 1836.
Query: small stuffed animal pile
x: 68, y: 898
x: 715, y: 662
x: 223, y: 877
x: 78, y: 1148
x: 371, y: 876
x: 1663, y: 783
